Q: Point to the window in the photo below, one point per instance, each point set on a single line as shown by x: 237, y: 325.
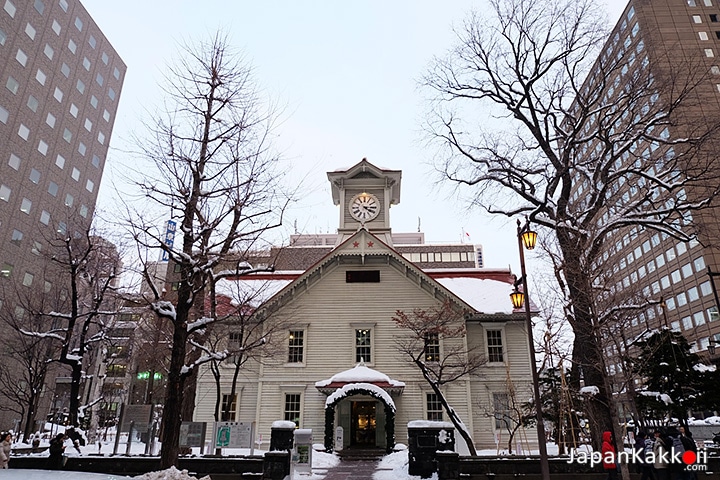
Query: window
x: 292, y: 408
x: 53, y: 189
x: 92, y: 42
x: 101, y: 138
x: 64, y: 5
x: 4, y: 115
x: 93, y: 101
x: 39, y: 6
x: 4, y: 192
x: 21, y: 57
x: 501, y: 411
x: 96, y: 161
x: 229, y: 407
x: 78, y: 24
x: 6, y: 270
x: 48, y: 51
x: 34, y: 176
x: 362, y: 276
x: 495, y: 345
x: 363, y: 345
x: 89, y: 186
x: 72, y: 46
x: 434, y: 407
x: 105, y: 58
x: 29, y: 31
x: 58, y: 94
x: 60, y: 162
x: 83, y: 211
x: 713, y: 17
x: 86, y: 63
x: 69, y: 200
x: 675, y: 275
x: 16, y: 237
x: 28, y: 279
x: 45, y: 217
x: 116, y: 73
x: 82, y: 148
x: 432, y: 347
x: 56, y: 27
x: 709, y: 52
x: 75, y: 174
x: 116, y: 370
x: 10, y: 8
x: 703, y: 35
x: 697, y: 19
x: 33, y: 103
x: 14, y: 161
x: 50, y: 120
x: 693, y: 294
x: 106, y: 115
x: 23, y: 132
x: 111, y: 93
x: 99, y: 79
x: 295, y: 346
x: 687, y: 270
x: 67, y: 135
x: 88, y: 124
x: 12, y: 85
x: 65, y: 69
x: 25, y: 205
x: 80, y: 86
x: 708, y: 3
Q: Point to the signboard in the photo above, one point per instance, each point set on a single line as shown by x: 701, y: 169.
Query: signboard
x: 140, y: 415
x: 192, y: 434
x: 170, y: 227
x: 233, y: 435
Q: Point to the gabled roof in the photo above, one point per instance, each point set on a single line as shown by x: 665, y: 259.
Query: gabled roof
x: 477, y: 292
x: 365, y: 169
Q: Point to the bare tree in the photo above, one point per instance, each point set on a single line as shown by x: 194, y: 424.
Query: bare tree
x: 25, y: 370
x: 213, y: 171
x: 84, y: 268
x: 587, y: 160
x: 419, y: 344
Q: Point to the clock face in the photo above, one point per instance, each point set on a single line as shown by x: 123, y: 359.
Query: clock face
x: 364, y: 207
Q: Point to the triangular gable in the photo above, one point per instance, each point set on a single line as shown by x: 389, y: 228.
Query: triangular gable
x: 363, y: 243
x: 365, y: 169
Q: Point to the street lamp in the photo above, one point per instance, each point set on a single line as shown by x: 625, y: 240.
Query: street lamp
x: 527, y: 239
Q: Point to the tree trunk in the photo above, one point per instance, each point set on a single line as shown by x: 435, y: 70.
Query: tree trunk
x: 172, y: 415
x: 75, y: 379
x: 587, y: 346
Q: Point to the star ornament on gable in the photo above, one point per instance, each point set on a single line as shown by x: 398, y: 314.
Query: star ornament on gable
x: 356, y: 244
x: 370, y: 244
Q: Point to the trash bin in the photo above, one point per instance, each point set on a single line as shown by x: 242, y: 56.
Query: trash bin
x: 281, y: 435
x: 425, y: 439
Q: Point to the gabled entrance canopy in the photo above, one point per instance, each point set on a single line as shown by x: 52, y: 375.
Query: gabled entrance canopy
x: 360, y: 374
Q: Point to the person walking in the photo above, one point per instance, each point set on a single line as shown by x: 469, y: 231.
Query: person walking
x: 5, y: 446
x: 660, y: 451
x: 609, y: 456
x: 643, y: 447
x: 57, y: 448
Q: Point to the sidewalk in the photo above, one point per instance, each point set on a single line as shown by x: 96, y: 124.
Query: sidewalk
x: 352, y: 470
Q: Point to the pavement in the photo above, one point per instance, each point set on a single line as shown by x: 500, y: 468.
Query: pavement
x: 352, y: 470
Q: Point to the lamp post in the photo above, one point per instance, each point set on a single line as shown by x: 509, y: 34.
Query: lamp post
x: 527, y: 239
x: 711, y: 341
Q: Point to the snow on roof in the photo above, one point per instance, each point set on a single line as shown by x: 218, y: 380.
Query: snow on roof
x: 359, y: 374
x: 484, y: 295
x: 250, y: 291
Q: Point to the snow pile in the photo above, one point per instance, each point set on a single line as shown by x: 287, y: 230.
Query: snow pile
x: 171, y: 473
x: 591, y: 390
x: 429, y: 424
x: 395, y: 467
x: 701, y: 367
x: 661, y: 397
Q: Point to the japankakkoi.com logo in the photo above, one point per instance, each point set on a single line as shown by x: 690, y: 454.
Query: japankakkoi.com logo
x: 692, y: 461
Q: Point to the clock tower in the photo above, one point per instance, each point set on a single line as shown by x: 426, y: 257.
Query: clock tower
x: 365, y: 194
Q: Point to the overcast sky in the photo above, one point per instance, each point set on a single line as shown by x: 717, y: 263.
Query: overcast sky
x: 347, y: 73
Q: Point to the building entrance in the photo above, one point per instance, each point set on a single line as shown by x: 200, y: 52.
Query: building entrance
x: 363, y: 424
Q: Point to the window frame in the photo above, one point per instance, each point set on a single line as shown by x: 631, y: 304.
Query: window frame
x: 435, y: 414
x: 286, y: 412
x: 493, y: 354
x: 296, y: 352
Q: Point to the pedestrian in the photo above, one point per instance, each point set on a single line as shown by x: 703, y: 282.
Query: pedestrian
x: 56, y: 459
x: 677, y: 469
x: 690, y: 446
x: 5, y: 446
x: 661, y: 450
x: 643, y: 447
x: 609, y: 456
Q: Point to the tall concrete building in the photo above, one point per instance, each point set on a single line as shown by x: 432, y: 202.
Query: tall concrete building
x: 60, y: 84
x: 61, y: 81
x: 662, y: 38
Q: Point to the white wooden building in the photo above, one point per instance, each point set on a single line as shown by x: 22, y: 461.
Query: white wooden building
x: 339, y: 337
